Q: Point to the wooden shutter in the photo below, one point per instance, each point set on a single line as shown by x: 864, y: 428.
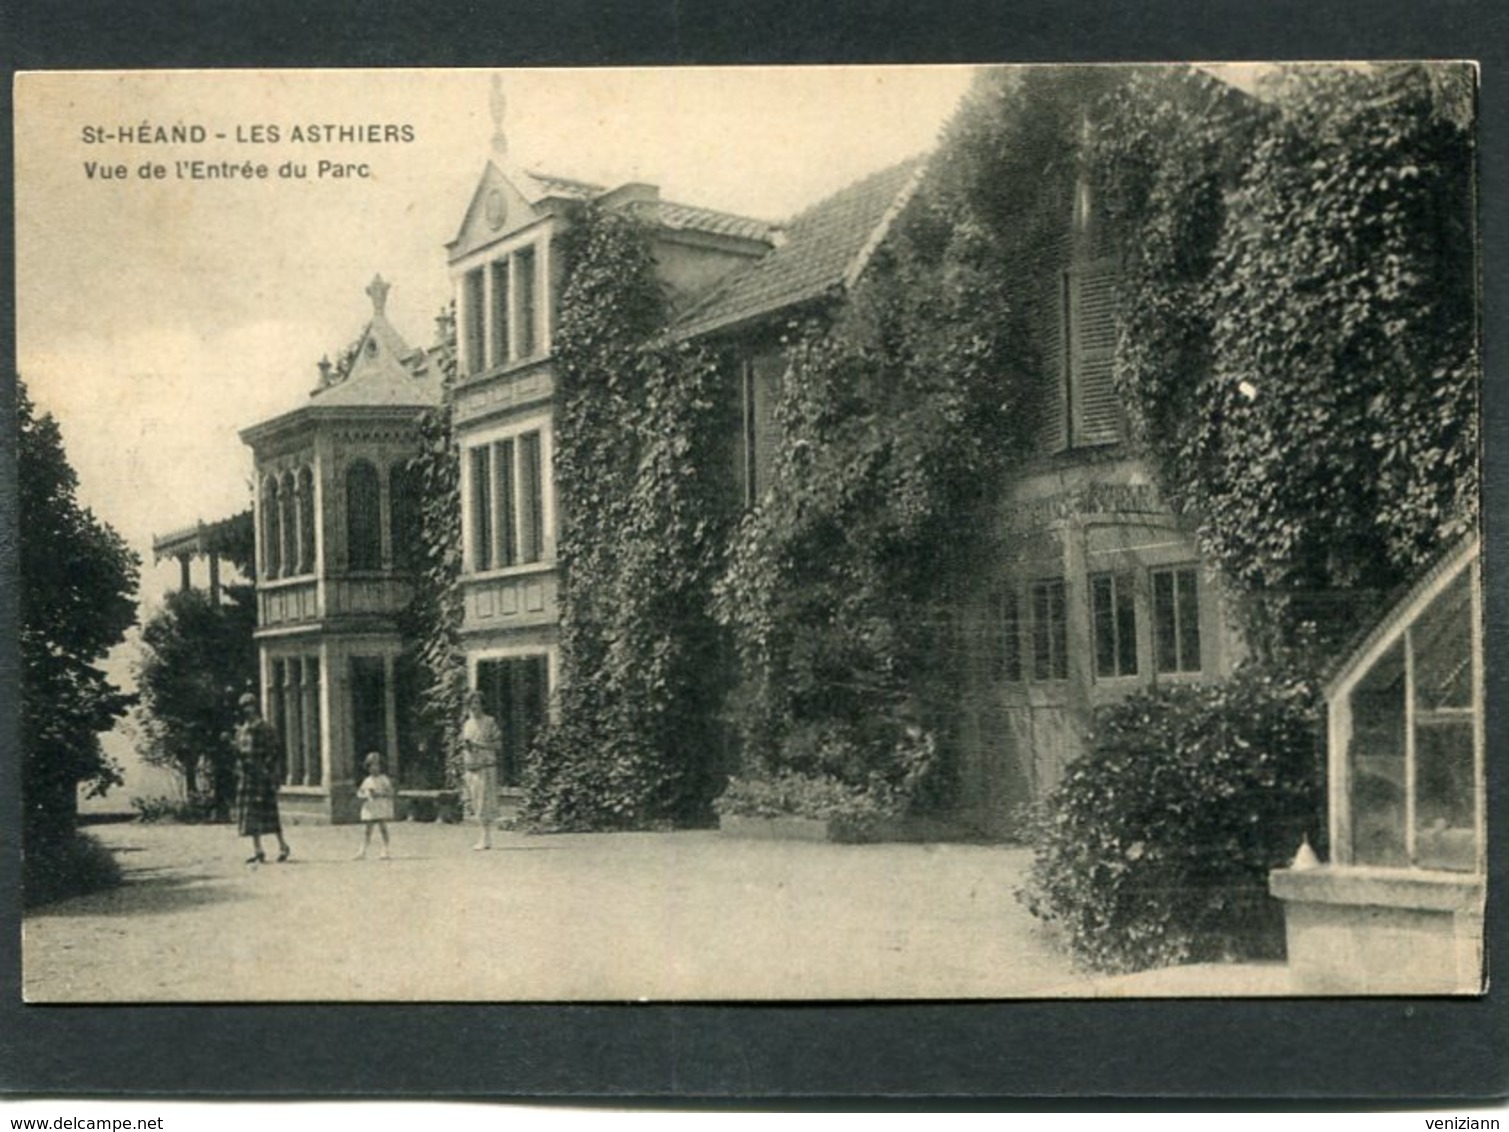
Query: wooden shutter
x: 1095, y: 407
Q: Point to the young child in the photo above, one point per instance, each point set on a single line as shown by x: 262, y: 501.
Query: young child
x: 376, y: 793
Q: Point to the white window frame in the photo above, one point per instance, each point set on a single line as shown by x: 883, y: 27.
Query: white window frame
x: 536, y: 239
x: 542, y: 424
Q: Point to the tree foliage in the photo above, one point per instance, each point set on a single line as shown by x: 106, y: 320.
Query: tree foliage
x: 645, y: 504
x: 1298, y: 328
x: 197, y: 658
x: 78, y: 579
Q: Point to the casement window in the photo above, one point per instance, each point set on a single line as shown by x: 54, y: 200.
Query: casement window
x: 1088, y: 316
x: 1050, y: 631
x: 515, y: 692
x: 1006, y: 636
x: 1410, y: 726
x: 1176, y: 620
x: 507, y: 502
x: 1113, y: 609
x: 501, y: 311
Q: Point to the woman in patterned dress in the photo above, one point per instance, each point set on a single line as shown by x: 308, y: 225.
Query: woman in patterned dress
x: 257, y: 781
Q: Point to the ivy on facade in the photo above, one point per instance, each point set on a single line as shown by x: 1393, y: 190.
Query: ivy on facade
x: 432, y: 620
x: 1298, y: 338
x: 644, y: 486
x: 899, y: 420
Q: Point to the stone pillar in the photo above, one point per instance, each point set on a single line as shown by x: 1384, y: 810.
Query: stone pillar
x: 214, y: 578
x: 290, y: 729
x: 309, y: 716
x: 390, y: 710
x: 184, y: 581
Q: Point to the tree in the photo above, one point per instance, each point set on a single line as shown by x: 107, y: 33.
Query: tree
x: 78, y: 578
x: 197, y: 657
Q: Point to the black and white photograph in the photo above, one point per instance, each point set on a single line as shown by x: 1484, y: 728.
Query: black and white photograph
x: 751, y: 534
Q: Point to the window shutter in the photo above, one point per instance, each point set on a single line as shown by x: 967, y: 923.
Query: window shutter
x: 1097, y: 409
x: 1053, y: 432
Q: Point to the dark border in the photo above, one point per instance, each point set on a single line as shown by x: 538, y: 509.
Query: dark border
x: 1377, y: 1050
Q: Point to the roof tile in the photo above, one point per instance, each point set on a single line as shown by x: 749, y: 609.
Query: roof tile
x: 821, y: 246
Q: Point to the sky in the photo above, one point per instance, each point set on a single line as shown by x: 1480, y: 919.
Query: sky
x: 158, y: 317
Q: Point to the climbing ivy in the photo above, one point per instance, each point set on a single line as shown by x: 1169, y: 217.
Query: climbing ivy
x: 642, y: 478
x: 899, y: 418
x: 432, y: 619
x: 1298, y: 338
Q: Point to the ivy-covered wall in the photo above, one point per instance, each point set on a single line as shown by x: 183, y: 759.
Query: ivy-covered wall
x: 646, y: 495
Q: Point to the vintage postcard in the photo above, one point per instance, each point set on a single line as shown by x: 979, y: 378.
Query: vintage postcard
x: 768, y: 534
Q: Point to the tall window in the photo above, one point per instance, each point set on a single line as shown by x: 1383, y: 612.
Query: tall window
x: 272, y: 540
x: 500, y: 304
x: 306, y: 521
x: 474, y: 313
x: 482, y: 507
x: 288, y: 524
x: 363, y: 517
x: 524, y: 311
x: 508, y: 502
x: 1114, y: 619
x: 1006, y: 636
x: 531, y: 499
x: 501, y: 338
x: 1176, y: 620
x: 1050, y: 631
x: 515, y: 692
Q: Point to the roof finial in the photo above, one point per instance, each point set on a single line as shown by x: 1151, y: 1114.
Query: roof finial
x: 378, y: 291
x: 499, y: 108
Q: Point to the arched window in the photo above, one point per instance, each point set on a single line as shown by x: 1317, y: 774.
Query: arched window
x: 288, y: 523
x: 306, y: 521
x: 272, y: 558
x: 363, y: 517
x: 404, y: 516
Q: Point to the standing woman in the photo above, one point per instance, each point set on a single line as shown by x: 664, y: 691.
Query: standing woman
x: 257, y: 783
x: 481, y: 743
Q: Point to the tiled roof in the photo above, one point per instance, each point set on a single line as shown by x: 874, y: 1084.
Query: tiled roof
x: 668, y: 214
x: 687, y: 217
x: 822, y: 247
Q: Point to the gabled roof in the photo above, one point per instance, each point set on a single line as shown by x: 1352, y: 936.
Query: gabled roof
x: 824, y: 248
x: 535, y: 186
x: 385, y: 372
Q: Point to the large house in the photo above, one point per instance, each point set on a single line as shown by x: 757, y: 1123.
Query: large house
x: 1095, y: 589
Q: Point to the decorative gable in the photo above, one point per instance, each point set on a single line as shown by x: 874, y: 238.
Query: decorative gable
x: 502, y: 205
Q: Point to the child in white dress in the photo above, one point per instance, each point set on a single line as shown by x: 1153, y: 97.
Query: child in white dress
x: 377, y: 794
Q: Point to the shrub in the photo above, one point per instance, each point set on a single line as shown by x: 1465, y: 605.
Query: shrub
x: 69, y: 866
x: 1155, y: 848
x: 199, y: 807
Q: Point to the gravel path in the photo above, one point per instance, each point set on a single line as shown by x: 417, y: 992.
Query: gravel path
x: 614, y: 917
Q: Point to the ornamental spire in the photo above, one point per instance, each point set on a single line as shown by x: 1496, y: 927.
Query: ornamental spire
x: 499, y: 105
x: 377, y: 290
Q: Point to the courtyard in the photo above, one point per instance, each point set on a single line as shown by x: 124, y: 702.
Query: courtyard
x: 571, y: 917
